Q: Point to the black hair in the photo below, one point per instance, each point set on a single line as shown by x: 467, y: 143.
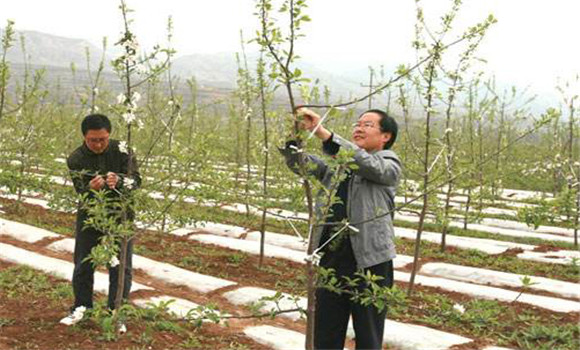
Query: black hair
x: 387, y: 124
x: 95, y: 122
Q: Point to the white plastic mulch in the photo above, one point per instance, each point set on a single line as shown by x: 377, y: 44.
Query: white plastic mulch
x: 491, y: 293
x: 56, y: 267
x: 496, y: 229
x: 217, y: 229
x: 497, y: 278
x: 180, y: 308
x: 514, y: 233
x: 250, y: 295
x: 488, y: 246
x: 276, y: 338
x: 273, y: 213
x: 250, y: 247
x: 23, y: 232
x: 163, y: 271
x: 564, y: 257
x: 401, y: 335
x: 521, y: 226
x: 177, y: 306
x: 280, y: 240
x: 414, y: 337
x: 28, y: 200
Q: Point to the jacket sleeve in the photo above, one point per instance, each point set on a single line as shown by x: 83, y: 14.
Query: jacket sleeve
x: 380, y: 167
x: 80, y: 177
x: 315, y: 166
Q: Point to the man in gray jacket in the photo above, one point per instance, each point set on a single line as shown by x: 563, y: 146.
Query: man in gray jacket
x: 366, y: 202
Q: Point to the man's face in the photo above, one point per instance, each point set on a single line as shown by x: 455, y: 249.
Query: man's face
x: 367, y: 133
x: 97, y: 140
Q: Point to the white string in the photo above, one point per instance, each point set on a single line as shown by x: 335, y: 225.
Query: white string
x: 294, y: 228
x: 322, y: 120
x: 330, y: 239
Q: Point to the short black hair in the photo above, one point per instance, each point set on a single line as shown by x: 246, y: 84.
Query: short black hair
x: 95, y: 122
x: 387, y: 124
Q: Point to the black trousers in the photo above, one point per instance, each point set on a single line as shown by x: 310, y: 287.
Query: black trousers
x: 84, y: 273
x: 333, y: 312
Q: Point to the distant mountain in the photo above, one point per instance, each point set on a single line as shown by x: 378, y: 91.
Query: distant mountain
x: 210, y: 70
x: 216, y: 73
x: 221, y: 70
x: 52, y: 51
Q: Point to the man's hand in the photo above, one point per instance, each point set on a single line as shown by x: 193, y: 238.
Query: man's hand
x: 112, y: 180
x: 310, y: 121
x: 97, y: 183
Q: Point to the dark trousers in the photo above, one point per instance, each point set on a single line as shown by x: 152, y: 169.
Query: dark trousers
x: 334, y: 310
x: 84, y: 273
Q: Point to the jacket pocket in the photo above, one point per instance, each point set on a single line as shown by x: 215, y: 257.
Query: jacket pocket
x: 379, y: 238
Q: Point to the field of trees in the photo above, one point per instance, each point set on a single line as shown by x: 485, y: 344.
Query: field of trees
x: 487, y: 214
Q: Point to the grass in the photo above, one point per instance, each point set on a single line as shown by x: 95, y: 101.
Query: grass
x: 489, y: 320
x: 485, y: 319
x: 19, y: 281
x: 149, y: 328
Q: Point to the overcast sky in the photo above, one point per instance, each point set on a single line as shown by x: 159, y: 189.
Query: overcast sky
x: 533, y: 43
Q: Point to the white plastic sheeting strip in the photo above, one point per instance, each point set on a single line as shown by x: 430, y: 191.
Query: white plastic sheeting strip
x: 513, y: 233
x: 250, y: 295
x: 497, y: 278
x: 406, y: 336
x: 55, y: 267
x: 276, y: 338
x: 488, y: 246
x: 178, y: 307
x: 217, y: 229
x: 521, y: 226
x: 251, y: 247
x: 23, y: 232
x: 280, y: 240
x: 564, y: 257
x: 491, y: 293
x: 163, y: 271
x: 401, y: 335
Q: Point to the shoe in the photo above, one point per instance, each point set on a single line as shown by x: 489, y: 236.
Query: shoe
x: 74, y: 317
x: 122, y: 328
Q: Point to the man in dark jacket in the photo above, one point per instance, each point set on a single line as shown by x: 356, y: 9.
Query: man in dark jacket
x: 99, y: 164
x: 366, y: 196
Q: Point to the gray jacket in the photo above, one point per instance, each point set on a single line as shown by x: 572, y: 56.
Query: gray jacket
x: 371, y: 195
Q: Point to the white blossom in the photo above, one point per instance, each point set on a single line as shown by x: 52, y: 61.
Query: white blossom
x: 459, y: 308
x: 140, y: 69
x: 129, y: 117
x: 129, y: 183
x: 114, y: 261
x: 136, y: 97
x: 121, y: 98
x: 448, y: 130
x: 96, y: 91
x: 131, y: 44
x: 123, y: 147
